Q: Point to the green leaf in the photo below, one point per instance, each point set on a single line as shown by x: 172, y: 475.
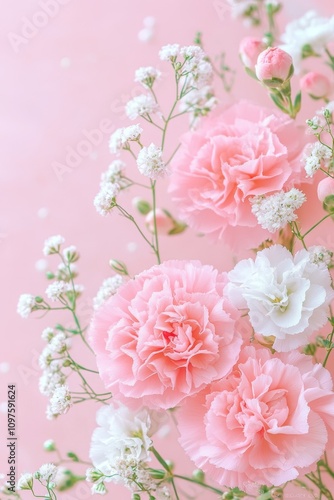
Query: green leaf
x: 298, y: 102
x: 73, y: 456
x: 278, y: 101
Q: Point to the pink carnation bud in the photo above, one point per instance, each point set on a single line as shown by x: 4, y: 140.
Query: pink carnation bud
x: 249, y: 50
x: 315, y: 84
x: 274, y: 63
x: 164, y: 223
x: 325, y: 188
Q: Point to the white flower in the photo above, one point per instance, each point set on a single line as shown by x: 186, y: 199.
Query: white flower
x: 202, y: 74
x: 26, y: 305
x: 169, y: 52
x: 141, y: 105
x: 94, y: 475
x: 70, y: 253
x: 147, y: 76
x: 25, y: 482
x: 320, y: 256
x: 114, y: 172
x: 309, y: 31
x: 287, y: 296
x: 52, y: 244
x: 60, y: 401
x: 275, y: 211
x: 99, y: 488
x: 315, y: 157
x: 192, y: 52
x: 122, y: 434
x: 121, y: 137
x: 108, y: 288
x: 199, y: 102
x: 149, y: 162
x: 50, y: 380
x: 105, y: 200
x: 59, y: 343
x: 48, y: 472
x: 240, y: 7
x: 47, y: 334
x: 56, y: 290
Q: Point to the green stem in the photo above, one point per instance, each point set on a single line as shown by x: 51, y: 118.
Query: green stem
x: 156, y: 236
x: 190, y: 480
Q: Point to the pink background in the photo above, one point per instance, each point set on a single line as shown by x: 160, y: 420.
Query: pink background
x: 72, y: 74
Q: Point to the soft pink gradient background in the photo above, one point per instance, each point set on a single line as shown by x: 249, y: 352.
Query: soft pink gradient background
x: 74, y: 73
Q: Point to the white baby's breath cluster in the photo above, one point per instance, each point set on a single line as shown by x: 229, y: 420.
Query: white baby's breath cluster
x: 275, y: 211
x: 112, y: 182
x: 47, y: 473
x: 147, y: 76
x: 56, y: 290
x: 26, y: 304
x: 52, y: 245
x: 317, y: 156
x: 108, y: 288
x: 53, y: 360
x: 199, y: 102
x: 142, y: 105
x: 320, y: 255
x: 121, y: 138
x: 150, y: 162
x: 25, y: 482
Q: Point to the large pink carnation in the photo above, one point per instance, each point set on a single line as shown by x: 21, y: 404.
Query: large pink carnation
x: 266, y: 423
x: 166, y: 334
x: 243, y: 152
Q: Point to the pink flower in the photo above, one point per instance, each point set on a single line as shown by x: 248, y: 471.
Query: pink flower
x: 325, y: 188
x: 250, y: 48
x: 244, y: 151
x: 315, y: 84
x: 166, y: 334
x: 274, y: 63
x: 164, y: 223
x: 266, y: 423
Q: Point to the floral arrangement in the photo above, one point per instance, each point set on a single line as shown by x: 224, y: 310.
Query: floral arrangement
x: 239, y: 360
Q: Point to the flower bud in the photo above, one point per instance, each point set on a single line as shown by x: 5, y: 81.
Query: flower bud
x: 249, y: 50
x: 325, y: 188
x: 315, y: 84
x: 274, y: 67
x: 163, y: 221
x: 49, y: 445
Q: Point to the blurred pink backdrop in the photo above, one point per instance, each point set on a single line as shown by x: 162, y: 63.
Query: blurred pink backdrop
x: 65, y: 76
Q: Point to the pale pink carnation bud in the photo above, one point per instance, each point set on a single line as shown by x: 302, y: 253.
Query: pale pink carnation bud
x: 325, y: 188
x: 274, y: 63
x: 163, y: 222
x: 315, y: 84
x: 249, y: 50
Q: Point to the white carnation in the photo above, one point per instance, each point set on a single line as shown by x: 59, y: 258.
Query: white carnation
x: 309, y: 30
x: 287, y: 296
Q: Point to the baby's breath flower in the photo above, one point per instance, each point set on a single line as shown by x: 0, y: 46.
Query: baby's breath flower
x: 59, y: 343
x: 320, y: 256
x: 147, y: 76
x: 316, y: 157
x: 61, y: 401
x: 150, y: 163
x: 169, y: 52
x: 105, y: 200
x: 114, y: 172
x: 25, y: 482
x: 122, y: 136
x: 47, y: 472
x: 49, y: 445
x: 275, y: 211
x: 99, y: 488
x: 70, y: 254
x: 56, y: 290
x: 52, y: 244
x: 93, y: 475
x: 47, y: 334
x: 108, y: 288
x: 26, y: 305
x: 141, y: 105
x: 50, y: 380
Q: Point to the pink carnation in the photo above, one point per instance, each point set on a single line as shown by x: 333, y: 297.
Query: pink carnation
x: 166, y: 334
x: 266, y: 423
x: 243, y: 152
